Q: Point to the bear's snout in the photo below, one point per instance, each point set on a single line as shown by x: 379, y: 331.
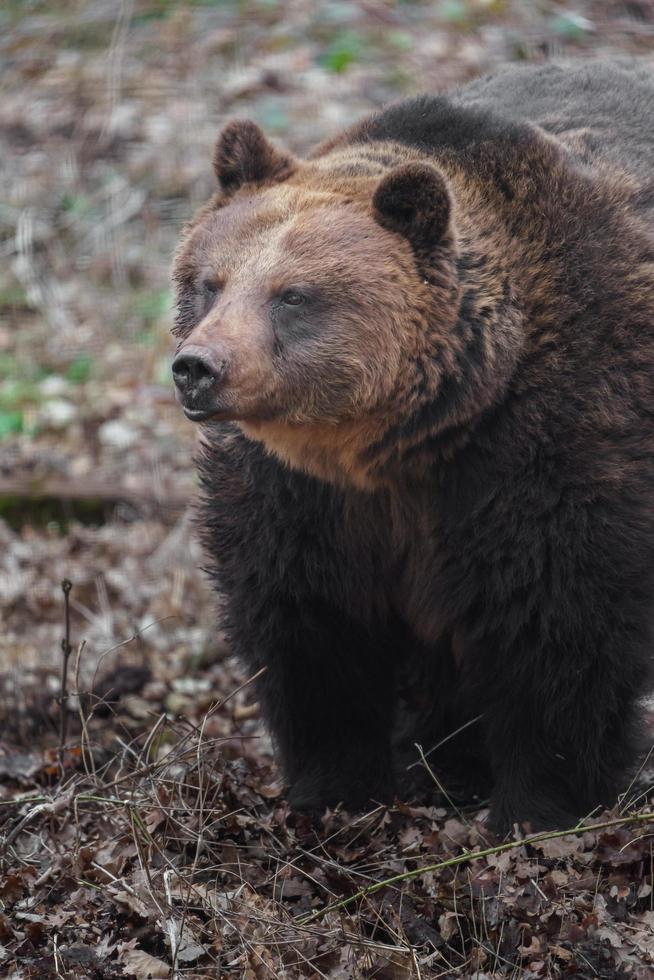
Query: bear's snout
x: 197, y: 373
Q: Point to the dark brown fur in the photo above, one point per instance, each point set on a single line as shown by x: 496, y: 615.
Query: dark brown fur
x: 441, y: 477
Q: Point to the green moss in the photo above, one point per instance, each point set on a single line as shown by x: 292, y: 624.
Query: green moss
x: 12, y: 295
x: 346, y: 48
x: 16, y: 392
x: 79, y: 370
x: 51, y: 512
x: 11, y: 422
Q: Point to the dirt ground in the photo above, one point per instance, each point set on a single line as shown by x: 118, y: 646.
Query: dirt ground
x: 157, y: 843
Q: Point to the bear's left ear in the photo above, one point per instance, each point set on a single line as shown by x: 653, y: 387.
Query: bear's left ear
x: 243, y: 155
x: 413, y: 200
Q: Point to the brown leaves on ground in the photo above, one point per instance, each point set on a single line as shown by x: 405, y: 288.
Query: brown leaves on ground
x: 174, y: 857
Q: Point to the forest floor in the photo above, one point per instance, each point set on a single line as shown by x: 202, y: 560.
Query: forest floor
x: 156, y: 843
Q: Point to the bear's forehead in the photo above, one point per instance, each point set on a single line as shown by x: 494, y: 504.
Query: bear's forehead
x: 266, y: 229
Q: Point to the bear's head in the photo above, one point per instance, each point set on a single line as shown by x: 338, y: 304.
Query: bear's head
x: 316, y: 299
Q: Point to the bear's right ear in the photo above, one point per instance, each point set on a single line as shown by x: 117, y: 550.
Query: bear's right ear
x: 413, y: 200
x: 243, y: 155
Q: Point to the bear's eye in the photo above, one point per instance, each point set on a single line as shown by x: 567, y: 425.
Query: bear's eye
x: 291, y: 297
x: 208, y: 291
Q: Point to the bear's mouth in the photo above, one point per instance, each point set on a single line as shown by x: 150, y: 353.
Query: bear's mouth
x: 199, y: 414
x: 211, y: 414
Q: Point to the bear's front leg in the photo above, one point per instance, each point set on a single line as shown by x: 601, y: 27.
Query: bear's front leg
x: 327, y: 697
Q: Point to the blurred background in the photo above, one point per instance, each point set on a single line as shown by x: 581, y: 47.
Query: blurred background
x: 108, y: 114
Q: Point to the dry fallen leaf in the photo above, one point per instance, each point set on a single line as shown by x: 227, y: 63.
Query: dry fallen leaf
x: 143, y: 966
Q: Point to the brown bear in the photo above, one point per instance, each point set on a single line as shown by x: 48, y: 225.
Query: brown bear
x: 424, y: 362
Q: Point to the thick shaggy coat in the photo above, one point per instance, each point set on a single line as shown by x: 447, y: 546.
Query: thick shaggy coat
x: 424, y: 358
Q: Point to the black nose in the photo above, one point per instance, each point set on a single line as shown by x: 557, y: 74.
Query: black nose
x: 196, y: 370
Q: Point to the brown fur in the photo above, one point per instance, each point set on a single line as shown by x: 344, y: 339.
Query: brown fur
x: 438, y: 340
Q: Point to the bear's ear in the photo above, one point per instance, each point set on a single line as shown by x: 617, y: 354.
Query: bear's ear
x: 413, y: 200
x: 243, y: 155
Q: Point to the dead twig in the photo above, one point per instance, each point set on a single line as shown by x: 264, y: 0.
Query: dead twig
x: 66, y: 650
